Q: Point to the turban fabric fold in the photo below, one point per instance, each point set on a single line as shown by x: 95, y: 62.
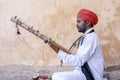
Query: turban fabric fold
x: 88, y: 15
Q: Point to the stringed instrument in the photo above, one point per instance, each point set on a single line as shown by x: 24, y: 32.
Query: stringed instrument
x: 18, y: 21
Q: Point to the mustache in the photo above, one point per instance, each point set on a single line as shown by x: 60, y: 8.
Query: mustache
x: 77, y: 26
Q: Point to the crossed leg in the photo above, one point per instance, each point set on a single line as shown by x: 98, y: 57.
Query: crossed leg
x: 69, y: 75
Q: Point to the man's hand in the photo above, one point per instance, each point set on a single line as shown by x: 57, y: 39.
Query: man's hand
x: 54, y: 48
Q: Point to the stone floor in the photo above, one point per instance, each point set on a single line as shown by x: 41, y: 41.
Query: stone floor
x: 114, y: 72
x: 20, y: 72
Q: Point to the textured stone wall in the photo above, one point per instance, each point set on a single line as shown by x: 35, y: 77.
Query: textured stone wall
x: 56, y: 19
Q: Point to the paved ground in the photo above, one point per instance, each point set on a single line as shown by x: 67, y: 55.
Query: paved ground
x: 26, y: 72
x: 114, y: 72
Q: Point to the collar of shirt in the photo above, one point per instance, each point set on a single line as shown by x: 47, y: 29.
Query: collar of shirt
x: 88, y: 31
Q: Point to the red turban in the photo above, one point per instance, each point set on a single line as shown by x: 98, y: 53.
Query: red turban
x: 88, y: 15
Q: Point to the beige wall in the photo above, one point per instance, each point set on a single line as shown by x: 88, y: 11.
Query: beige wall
x: 56, y: 19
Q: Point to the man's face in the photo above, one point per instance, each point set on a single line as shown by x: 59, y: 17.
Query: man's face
x: 81, y: 25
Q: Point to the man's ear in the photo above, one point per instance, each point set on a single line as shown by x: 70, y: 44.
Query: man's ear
x: 88, y: 23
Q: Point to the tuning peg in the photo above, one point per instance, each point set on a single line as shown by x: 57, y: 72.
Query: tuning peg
x: 19, y: 19
x: 15, y: 16
x: 31, y: 27
x: 37, y: 31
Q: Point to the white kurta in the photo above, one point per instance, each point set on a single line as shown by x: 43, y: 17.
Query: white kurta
x: 90, y: 51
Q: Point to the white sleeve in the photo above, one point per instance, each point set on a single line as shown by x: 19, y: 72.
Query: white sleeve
x: 83, y: 54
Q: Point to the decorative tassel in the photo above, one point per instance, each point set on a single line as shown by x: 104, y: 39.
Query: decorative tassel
x: 18, y: 32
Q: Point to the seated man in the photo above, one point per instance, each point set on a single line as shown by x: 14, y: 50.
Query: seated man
x: 88, y: 60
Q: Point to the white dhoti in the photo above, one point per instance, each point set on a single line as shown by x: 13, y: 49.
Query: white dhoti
x: 69, y: 75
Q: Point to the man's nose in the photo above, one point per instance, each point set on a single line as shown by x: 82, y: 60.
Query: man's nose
x: 77, y: 25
